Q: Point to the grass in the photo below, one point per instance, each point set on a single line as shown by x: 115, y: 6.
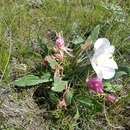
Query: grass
x: 23, y: 25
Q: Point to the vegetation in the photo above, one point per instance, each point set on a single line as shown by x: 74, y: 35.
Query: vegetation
x: 40, y: 90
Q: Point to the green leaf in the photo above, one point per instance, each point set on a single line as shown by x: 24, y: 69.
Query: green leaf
x: 77, y: 115
x: 89, y: 103
x: 78, y: 40
x: 29, y: 80
x: 94, y: 34
x: 120, y: 74
x: 53, y: 97
x: 59, y: 85
x: 125, y: 69
x: 46, y: 77
x: 69, y: 96
x: 112, y: 87
x: 52, y: 62
x: 85, y: 101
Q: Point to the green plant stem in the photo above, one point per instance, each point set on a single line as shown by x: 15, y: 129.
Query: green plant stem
x: 10, y: 50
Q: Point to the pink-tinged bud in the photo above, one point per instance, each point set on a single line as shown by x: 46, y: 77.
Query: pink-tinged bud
x: 95, y: 85
x: 111, y: 98
x: 45, y: 62
x: 60, y: 42
x: 62, y: 103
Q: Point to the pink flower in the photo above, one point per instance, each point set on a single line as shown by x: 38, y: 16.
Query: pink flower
x: 60, y: 42
x: 111, y: 98
x: 95, y: 85
x: 60, y: 45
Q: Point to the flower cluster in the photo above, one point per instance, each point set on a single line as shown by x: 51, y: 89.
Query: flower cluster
x: 102, y: 62
x: 104, y: 66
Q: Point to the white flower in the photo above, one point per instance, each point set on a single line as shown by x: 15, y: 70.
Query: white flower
x: 102, y: 60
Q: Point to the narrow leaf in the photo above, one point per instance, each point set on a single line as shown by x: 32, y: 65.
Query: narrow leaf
x: 125, y: 69
x: 77, y: 115
x: 69, y: 96
x: 119, y: 74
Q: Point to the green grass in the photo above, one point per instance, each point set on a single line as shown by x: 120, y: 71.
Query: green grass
x: 24, y: 24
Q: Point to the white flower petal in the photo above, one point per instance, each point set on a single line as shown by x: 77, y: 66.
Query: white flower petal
x: 102, y: 60
x: 109, y: 50
x: 101, y: 43
x: 102, y: 56
x: 106, y: 51
x: 110, y: 63
x: 107, y: 73
x: 96, y: 69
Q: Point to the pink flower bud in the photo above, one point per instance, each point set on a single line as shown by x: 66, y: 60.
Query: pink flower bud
x: 62, y: 103
x: 95, y: 85
x: 111, y: 98
x: 60, y: 42
x: 45, y: 62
